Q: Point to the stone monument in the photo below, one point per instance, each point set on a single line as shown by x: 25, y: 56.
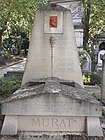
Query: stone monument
x: 52, y: 104
x: 53, y: 50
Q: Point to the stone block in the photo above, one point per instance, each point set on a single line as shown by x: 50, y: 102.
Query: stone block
x: 51, y: 124
x: 52, y: 96
x: 9, y: 126
x: 94, y: 127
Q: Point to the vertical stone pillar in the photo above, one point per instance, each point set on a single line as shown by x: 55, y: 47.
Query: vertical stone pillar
x: 52, y: 43
x: 103, y: 79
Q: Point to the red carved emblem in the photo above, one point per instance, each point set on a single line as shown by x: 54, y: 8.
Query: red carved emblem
x: 53, y: 21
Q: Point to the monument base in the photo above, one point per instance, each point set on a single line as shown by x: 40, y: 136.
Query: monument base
x: 50, y: 136
x: 51, y: 124
x: 51, y: 109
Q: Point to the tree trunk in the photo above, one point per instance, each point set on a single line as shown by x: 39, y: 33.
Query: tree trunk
x: 0, y: 43
x: 86, y: 24
x: 2, y: 61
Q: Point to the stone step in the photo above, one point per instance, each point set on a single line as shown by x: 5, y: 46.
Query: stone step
x: 49, y: 136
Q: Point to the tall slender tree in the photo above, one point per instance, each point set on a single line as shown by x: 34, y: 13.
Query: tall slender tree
x: 86, y: 19
x: 93, y: 19
x: 97, y: 18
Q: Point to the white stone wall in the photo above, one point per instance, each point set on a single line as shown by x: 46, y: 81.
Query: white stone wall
x: 79, y: 37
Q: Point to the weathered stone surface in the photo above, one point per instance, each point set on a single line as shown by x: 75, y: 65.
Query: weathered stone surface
x: 65, y: 56
x: 51, y: 108
x: 49, y: 136
x: 93, y: 126
x: 10, y: 125
x: 51, y: 96
x: 52, y: 85
x: 52, y: 124
x: 51, y: 104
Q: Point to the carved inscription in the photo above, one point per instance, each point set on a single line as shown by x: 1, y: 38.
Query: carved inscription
x: 76, y: 8
x: 51, y: 123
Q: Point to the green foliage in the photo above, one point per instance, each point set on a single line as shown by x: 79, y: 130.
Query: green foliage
x: 15, y: 13
x: 16, y: 40
x: 97, y: 19
x: 19, y: 12
x: 93, y: 19
x: 9, y: 85
x: 82, y: 58
x: 6, y: 55
x: 95, y: 79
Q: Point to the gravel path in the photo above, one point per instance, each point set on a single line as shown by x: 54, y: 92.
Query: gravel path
x: 19, y: 66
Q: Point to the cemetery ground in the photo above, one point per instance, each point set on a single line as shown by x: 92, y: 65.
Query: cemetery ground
x: 5, y: 62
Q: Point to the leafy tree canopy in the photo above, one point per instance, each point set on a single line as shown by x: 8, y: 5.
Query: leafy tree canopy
x: 14, y: 13
x: 93, y: 19
x: 17, y: 11
x: 97, y: 18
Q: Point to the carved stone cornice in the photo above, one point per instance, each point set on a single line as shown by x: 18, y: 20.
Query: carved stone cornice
x: 75, y: 7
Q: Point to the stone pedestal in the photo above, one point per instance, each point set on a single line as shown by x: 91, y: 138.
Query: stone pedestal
x: 51, y: 106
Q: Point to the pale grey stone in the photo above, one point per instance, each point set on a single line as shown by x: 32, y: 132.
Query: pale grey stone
x: 9, y: 126
x: 49, y: 107
x: 65, y: 55
x: 52, y: 96
x: 94, y: 127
